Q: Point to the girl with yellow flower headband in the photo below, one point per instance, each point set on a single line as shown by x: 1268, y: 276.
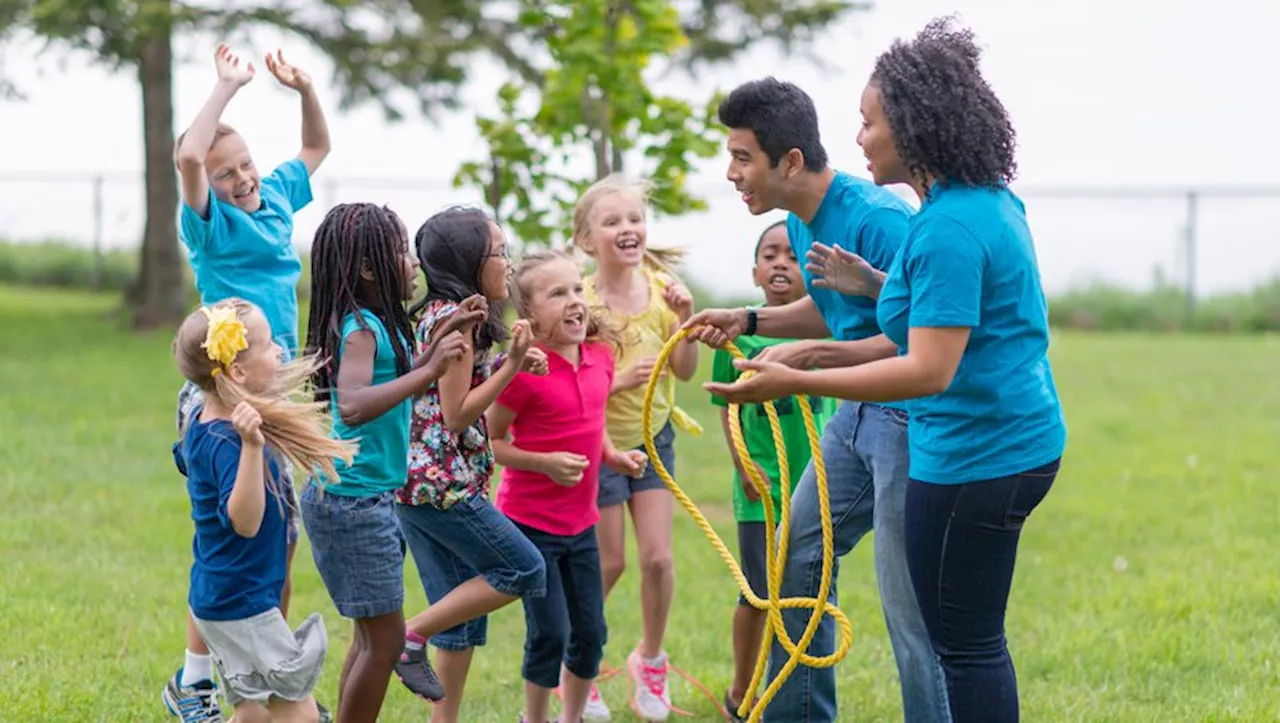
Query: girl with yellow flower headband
x: 635, y: 288
x: 233, y: 452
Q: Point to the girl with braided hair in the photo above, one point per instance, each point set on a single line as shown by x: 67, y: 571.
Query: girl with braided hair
x: 362, y: 273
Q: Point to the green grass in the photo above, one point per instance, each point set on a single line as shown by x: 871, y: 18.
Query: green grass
x: 1145, y: 588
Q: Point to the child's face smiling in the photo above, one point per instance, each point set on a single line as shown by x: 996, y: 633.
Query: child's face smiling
x: 776, y: 270
x: 232, y: 174
x: 495, y: 269
x: 256, y: 366
x: 557, y: 306
x: 618, y: 230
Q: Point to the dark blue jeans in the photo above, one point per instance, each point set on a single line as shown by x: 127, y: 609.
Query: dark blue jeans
x: 962, y: 542
x: 567, y: 625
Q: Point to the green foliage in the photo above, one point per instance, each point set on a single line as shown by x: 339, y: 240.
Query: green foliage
x: 1166, y: 308
x: 587, y: 113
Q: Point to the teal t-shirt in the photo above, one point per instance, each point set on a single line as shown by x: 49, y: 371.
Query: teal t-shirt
x: 251, y: 255
x: 970, y: 261
x: 382, y: 464
x: 759, y: 437
x: 863, y: 218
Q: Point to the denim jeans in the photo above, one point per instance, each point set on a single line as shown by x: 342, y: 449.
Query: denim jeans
x: 566, y: 626
x: 962, y: 546
x: 469, y: 539
x: 865, y: 450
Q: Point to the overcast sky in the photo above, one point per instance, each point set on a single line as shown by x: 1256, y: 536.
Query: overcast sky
x: 1105, y: 93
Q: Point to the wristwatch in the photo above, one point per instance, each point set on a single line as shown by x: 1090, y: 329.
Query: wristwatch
x: 751, y: 322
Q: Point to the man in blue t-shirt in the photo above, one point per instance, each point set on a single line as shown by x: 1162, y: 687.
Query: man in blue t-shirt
x: 778, y: 162
x: 238, y: 231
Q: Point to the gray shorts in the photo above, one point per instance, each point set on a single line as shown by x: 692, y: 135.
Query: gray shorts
x: 753, y: 558
x: 259, y: 658
x: 189, y: 397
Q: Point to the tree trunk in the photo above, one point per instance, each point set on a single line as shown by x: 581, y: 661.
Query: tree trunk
x: 160, y: 295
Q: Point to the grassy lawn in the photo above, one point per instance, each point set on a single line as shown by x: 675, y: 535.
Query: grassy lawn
x: 1143, y: 591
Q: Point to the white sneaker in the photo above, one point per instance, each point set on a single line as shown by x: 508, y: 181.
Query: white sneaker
x: 652, y: 701
x: 597, y: 709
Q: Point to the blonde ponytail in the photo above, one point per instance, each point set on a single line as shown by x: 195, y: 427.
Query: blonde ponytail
x: 296, y: 426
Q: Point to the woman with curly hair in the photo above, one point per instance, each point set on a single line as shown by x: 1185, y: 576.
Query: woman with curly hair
x: 963, y: 300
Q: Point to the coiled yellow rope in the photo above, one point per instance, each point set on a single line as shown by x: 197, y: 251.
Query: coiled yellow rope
x: 774, y: 605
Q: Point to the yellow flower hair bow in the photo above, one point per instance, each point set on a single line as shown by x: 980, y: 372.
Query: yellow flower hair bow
x: 226, y: 337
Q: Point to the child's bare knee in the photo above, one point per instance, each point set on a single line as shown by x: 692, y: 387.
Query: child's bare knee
x: 251, y: 713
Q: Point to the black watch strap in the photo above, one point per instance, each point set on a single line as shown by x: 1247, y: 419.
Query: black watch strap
x: 751, y: 322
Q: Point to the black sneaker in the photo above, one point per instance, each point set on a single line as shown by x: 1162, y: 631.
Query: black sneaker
x: 731, y: 710
x: 414, y: 670
x: 196, y: 703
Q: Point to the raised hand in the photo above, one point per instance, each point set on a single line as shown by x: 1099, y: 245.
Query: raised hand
x: 248, y: 424
x: 565, y: 468
x: 678, y: 299
x: 288, y: 75
x: 521, y: 336
x: 229, y: 68
x: 843, y: 271
x: 535, y: 362
x: 444, y: 351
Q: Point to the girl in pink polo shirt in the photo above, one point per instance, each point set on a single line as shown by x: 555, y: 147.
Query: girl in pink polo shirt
x: 550, y: 480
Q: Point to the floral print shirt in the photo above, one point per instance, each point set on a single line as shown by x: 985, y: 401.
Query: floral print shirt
x: 445, y: 468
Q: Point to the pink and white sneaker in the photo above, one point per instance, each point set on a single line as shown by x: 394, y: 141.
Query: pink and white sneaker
x: 652, y: 700
x: 597, y: 709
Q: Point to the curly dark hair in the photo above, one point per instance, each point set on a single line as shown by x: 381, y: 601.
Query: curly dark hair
x: 946, y: 120
x: 781, y: 116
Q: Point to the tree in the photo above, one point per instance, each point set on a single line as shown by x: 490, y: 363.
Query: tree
x: 378, y: 46
x: 592, y: 108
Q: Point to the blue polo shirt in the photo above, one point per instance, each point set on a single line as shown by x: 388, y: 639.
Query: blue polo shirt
x: 232, y: 577
x: 251, y: 255
x: 863, y: 218
x: 970, y: 261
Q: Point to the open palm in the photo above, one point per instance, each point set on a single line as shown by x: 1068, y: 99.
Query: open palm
x: 229, y: 67
x: 288, y: 75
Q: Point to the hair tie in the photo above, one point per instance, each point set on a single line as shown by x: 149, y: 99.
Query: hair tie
x: 226, y: 337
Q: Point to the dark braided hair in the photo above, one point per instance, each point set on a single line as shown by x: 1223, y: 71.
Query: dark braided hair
x: 946, y: 120
x: 352, y: 236
x: 453, y: 246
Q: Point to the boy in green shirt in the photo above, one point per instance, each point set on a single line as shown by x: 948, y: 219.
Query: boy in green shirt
x: 778, y: 274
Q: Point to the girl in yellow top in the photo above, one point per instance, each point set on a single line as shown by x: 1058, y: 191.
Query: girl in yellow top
x: 634, y: 289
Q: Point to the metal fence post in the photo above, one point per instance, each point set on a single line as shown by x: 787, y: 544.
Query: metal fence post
x: 98, y: 223
x: 1193, y: 203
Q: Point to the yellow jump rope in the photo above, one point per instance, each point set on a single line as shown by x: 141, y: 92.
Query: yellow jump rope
x: 775, y: 558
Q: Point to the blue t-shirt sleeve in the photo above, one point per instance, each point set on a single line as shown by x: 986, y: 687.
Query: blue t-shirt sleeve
x: 225, y: 464
x: 881, y: 236
x: 198, y: 233
x: 944, y: 269
x: 294, y: 182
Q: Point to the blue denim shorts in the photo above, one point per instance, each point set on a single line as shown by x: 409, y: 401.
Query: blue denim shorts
x: 470, y: 538
x: 617, y: 488
x: 358, y: 549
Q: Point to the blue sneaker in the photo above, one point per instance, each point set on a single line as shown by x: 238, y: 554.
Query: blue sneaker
x: 197, y: 703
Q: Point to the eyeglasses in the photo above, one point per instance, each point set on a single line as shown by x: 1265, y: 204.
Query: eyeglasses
x: 504, y: 254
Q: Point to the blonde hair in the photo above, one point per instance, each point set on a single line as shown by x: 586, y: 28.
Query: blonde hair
x: 296, y: 429
x: 599, y: 326
x: 222, y: 131
x: 662, y: 259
